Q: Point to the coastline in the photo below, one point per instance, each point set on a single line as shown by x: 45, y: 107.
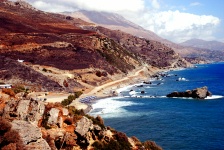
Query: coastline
x: 112, y: 88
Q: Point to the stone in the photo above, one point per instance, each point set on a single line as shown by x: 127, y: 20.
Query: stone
x: 36, y: 111
x: 10, y: 110
x: 30, y: 135
x: 27, y: 131
x: 22, y: 109
x: 199, y: 93
x: 40, y: 144
x: 53, y: 118
x: 65, y: 112
x: 83, y: 126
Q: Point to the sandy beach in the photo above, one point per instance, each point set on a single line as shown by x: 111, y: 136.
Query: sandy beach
x: 105, y: 90
x: 110, y: 89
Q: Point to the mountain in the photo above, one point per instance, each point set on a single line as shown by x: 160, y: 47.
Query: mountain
x: 69, y: 50
x: 116, y: 22
x: 198, y: 43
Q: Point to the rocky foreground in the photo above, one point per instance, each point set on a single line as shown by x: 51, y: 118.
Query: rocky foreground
x: 30, y: 124
x: 198, y: 93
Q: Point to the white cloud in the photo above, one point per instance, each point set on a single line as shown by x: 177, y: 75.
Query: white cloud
x: 155, y: 4
x: 178, y: 26
x: 172, y: 25
x: 100, y: 5
x: 195, y: 4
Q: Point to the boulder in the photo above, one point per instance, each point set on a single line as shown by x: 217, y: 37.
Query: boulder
x: 30, y: 135
x: 199, y: 93
x: 36, y: 111
x: 22, y: 109
x: 83, y: 126
x: 30, y: 110
x: 53, y: 116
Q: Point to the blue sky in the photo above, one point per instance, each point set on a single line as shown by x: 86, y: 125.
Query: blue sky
x: 175, y: 20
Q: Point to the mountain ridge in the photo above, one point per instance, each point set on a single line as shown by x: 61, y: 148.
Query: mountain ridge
x: 203, y: 44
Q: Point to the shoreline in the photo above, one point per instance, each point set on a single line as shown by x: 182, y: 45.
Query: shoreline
x: 111, y: 89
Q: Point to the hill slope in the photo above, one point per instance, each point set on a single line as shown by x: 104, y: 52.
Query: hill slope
x: 73, y: 46
x: 198, y: 43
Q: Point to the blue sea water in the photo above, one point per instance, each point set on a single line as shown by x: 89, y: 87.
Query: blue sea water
x: 173, y: 123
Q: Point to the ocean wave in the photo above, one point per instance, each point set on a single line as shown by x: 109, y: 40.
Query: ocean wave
x: 112, y: 107
x: 214, y: 97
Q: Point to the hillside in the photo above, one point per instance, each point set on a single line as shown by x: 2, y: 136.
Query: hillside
x: 68, y: 50
x: 202, y: 44
x: 116, y: 22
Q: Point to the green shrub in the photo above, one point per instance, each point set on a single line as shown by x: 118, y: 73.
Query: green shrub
x: 98, y: 120
x: 78, y: 94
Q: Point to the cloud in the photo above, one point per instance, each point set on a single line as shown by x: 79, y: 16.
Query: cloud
x: 195, y: 4
x: 178, y: 26
x: 98, y: 5
x: 173, y: 25
x: 155, y: 4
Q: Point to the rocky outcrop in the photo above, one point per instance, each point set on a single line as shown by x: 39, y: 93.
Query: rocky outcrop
x: 30, y: 135
x: 198, y: 93
x: 51, y: 126
x: 29, y: 110
x: 53, y: 116
x: 83, y: 126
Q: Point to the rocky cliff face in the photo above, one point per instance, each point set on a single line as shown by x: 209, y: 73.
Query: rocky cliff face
x: 40, y: 126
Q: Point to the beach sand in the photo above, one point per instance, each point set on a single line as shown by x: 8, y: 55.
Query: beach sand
x: 110, y: 89
x: 106, y: 90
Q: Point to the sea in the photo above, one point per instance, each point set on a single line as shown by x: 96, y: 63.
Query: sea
x: 173, y: 123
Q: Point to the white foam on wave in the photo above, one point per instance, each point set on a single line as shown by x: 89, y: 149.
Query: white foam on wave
x: 110, y: 108
x: 132, y: 93
x: 214, y: 97
x: 126, y: 88
x: 182, y: 79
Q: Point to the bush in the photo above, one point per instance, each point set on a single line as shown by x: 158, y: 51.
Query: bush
x: 20, y: 88
x: 98, y: 120
x: 44, y: 70
x: 10, y: 92
x: 151, y: 145
x: 5, y: 126
x: 98, y: 74
x: 78, y: 94
x: 9, y: 139
x: 70, y: 98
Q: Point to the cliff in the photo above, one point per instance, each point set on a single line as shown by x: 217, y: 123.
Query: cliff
x: 36, y: 125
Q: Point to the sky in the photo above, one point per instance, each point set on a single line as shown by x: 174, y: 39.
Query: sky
x: 175, y: 20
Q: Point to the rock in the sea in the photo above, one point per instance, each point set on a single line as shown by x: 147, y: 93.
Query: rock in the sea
x: 199, y: 93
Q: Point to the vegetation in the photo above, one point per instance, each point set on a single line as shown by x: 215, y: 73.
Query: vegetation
x: 120, y: 142
x: 9, y: 92
x: 44, y: 70
x: 98, y: 120
x: 20, y: 88
x: 151, y: 145
x: 70, y: 98
x: 9, y: 139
